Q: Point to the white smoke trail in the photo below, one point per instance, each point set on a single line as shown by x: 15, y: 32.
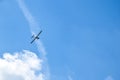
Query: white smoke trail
x: 34, y: 26
x: 31, y: 20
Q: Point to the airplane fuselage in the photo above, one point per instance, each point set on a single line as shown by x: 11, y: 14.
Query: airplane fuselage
x: 36, y: 37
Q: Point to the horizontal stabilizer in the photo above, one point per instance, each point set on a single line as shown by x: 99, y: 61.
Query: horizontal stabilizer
x: 35, y: 37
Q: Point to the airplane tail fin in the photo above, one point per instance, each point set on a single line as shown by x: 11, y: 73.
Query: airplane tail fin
x: 32, y: 36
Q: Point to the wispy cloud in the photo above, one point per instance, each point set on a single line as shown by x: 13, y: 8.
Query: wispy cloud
x: 21, y: 66
x: 109, y: 78
x: 25, y: 65
x: 70, y: 78
x: 34, y: 27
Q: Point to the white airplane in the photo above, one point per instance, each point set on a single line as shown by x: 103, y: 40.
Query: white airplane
x: 35, y: 37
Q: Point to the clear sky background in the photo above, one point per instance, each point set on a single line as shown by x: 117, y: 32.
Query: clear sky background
x: 81, y: 37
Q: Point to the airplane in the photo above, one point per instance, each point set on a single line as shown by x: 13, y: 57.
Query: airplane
x: 35, y: 37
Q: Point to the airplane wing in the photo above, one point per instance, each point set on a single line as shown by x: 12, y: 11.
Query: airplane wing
x: 36, y: 37
x: 33, y: 40
x: 39, y: 33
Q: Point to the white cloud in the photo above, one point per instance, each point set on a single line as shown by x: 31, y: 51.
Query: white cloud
x: 109, y: 78
x: 34, y: 26
x: 21, y: 66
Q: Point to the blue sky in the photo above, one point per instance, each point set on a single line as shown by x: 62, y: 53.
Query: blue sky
x: 81, y: 37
